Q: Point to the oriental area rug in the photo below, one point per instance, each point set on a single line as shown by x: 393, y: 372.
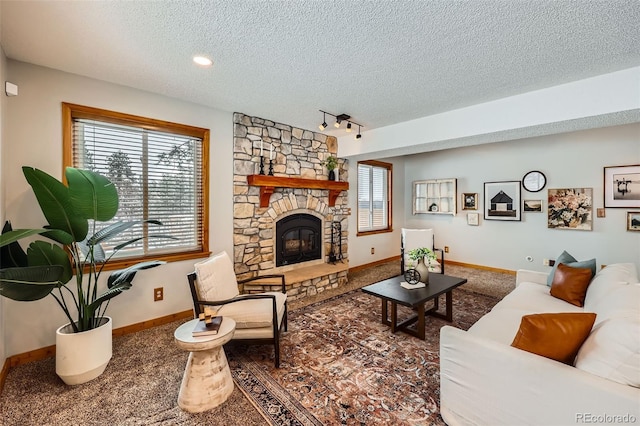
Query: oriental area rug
x: 341, y: 365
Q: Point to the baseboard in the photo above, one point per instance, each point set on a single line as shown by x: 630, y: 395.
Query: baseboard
x: 50, y: 351
x: 3, y: 374
x: 447, y: 262
x: 376, y: 263
x: 484, y: 268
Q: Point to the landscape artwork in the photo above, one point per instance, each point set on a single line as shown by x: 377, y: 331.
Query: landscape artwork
x: 570, y: 208
x: 633, y: 221
x: 502, y: 200
x: 533, y: 206
x: 622, y: 186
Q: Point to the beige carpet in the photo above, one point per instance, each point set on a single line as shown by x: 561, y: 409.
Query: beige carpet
x: 141, y: 383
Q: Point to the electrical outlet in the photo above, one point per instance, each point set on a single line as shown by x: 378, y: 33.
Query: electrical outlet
x: 158, y: 294
x: 373, y: 250
x: 446, y: 249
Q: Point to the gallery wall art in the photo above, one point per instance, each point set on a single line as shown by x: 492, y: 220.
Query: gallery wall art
x: 570, y: 208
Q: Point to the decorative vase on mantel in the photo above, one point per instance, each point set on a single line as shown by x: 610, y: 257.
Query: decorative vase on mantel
x: 423, y: 270
x: 332, y: 175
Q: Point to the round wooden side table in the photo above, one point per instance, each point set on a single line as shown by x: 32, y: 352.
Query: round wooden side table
x: 207, y: 380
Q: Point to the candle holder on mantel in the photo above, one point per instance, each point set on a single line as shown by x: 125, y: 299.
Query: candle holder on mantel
x: 261, y: 165
x: 270, y: 167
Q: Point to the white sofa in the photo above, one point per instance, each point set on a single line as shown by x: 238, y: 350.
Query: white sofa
x: 486, y: 381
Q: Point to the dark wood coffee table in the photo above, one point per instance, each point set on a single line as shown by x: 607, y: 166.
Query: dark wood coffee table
x: 390, y: 291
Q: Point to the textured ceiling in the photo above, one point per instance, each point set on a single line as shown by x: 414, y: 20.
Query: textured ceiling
x: 382, y: 62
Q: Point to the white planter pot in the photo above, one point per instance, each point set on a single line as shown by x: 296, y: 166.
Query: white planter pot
x: 81, y: 357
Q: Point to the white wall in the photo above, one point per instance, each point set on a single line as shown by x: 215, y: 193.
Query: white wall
x: 33, y: 136
x: 385, y: 243
x: 568, y: 160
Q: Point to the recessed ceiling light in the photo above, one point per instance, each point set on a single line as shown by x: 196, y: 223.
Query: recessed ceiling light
x: 202, y: 61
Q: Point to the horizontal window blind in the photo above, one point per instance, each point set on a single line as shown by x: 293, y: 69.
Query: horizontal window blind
x: 373, y: 190
x: 158, y: 176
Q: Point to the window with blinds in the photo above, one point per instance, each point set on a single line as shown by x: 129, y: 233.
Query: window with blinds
x: 158, y: 170
x: 374, y: 196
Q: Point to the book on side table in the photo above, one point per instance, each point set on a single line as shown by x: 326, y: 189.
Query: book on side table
x: 207, y: 326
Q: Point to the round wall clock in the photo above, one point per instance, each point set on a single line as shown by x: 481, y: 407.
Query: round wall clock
x: 534, y: 181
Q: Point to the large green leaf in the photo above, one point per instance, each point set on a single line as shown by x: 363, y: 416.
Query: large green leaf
x: 93, y: 195
x: 127, y: 275
x: 56, y: 203
x: 41, y: 253
x: 29, y: 283
x: 12, y: 236
x: 11, y: 254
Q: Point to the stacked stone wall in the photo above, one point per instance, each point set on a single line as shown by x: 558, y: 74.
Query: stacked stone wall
x: 296, y: 153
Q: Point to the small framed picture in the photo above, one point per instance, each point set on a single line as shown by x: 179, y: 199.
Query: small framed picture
x: 473, y: 219
x: 622, y: 186
x: 502, y: 200
x: 470, y: 201
x: 532, y: 205
x: 633, y: 221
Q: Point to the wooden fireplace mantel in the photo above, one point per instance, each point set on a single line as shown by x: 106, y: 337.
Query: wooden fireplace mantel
x: 268, y: 184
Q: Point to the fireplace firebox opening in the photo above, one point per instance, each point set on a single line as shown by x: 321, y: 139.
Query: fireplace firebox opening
x: 298, y: 239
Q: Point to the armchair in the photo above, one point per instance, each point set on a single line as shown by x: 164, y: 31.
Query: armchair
x: 415, y: 238
x: 259, y: 317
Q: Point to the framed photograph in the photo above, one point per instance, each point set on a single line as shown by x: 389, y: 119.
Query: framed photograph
x: 570, y: 208
x: 502, y: 200
x: 633, y: 221
x: 533, y: 206
x: 622, y: 186
x: 473, y: 219
x: 470, y: 201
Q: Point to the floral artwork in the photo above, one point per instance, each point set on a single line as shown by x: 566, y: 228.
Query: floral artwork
x: 571, y: 208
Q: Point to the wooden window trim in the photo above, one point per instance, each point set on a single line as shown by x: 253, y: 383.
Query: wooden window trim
x: 389, y: 168
x: 73, y: 111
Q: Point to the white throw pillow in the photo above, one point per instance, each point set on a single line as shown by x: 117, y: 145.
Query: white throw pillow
x: 607, y: 280
x: 612, y: 351
x: 216, y: 278
x: 622, y: 301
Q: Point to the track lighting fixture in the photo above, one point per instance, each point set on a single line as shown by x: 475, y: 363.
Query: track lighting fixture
x: 324, y: 122
x: 339, y: 119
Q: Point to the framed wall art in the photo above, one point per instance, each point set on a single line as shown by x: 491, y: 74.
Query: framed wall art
x: 570, y: 208
x: 622, y: 186
x: 633, y: 221
x: 470, y: 201
x: 502, y: 200
x: 533, y: 206
x: 472, y: 219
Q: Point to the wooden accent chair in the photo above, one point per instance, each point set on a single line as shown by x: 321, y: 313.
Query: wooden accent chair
x: 415, y: 238
x: 259, y: 317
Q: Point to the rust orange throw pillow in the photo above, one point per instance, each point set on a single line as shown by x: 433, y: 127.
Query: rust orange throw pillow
x: 557, y: 336
x: 570, y: 284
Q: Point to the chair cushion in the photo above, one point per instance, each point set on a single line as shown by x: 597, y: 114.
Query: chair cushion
x: 216, y: 278
x: 557, y: 336
x: 254, y: 313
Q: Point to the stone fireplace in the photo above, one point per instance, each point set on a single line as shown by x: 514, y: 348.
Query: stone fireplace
x: 286, y: 222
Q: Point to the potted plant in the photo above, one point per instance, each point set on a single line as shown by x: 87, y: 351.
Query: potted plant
x: 331, y: 163
x: 419, y: 255
x: 73, y: 213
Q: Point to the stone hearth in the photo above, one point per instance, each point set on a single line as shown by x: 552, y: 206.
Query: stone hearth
x: 297, y: 153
